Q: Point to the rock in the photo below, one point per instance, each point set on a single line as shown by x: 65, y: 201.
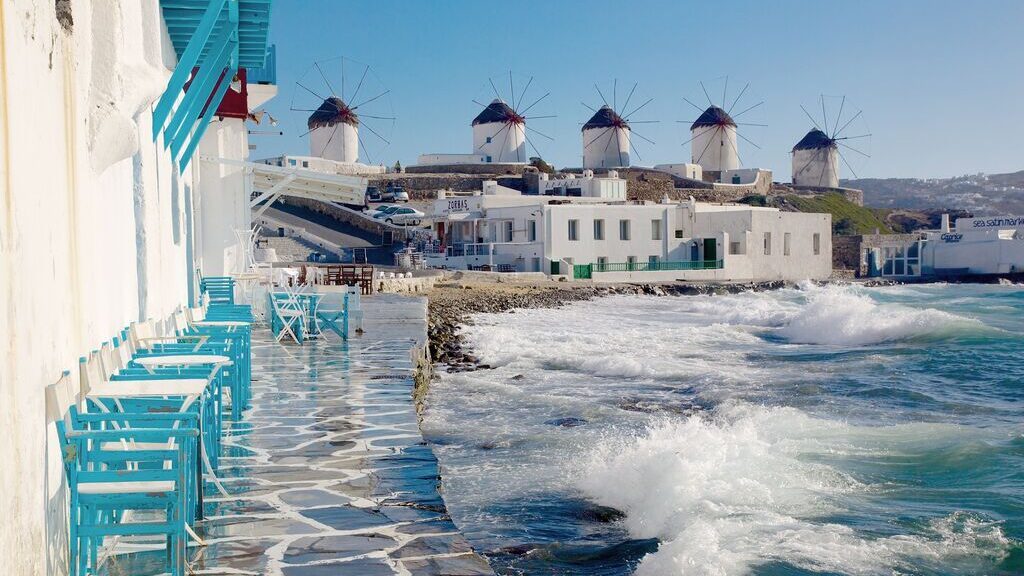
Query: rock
x: 569, y: 422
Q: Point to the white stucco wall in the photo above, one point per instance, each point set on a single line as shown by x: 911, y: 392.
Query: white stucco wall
x: 95, y: 229
x: 816, y: 167
x: 507, y: 145
x: 606, y: 148
x: 339, y: 142
x: 222, y: 205
x: 715, y: 149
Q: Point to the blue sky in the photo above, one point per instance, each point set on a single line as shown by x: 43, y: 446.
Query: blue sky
x: 941, y: 84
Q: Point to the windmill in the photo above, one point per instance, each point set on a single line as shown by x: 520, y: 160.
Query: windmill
x: 713, y: 134
x: 607, y: 136
x: 816, y: 156
x: 500, y: 133
x: 340, y: 107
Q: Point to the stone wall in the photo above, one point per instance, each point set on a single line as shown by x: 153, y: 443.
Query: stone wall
x: 852, y: 195
x: 351, y: 217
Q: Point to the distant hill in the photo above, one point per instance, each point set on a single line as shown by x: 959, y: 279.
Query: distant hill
x: 977, y: 193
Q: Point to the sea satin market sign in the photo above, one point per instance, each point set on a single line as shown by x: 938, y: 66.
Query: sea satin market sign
x: 990, y: 222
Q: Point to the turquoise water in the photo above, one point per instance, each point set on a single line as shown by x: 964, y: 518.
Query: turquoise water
x: 837, y: 430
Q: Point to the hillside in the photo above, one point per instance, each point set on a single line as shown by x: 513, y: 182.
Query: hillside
x: 977, y: 193
x: 847, y: 217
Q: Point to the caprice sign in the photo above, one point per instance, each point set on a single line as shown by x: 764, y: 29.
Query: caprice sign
x: 990, y: 222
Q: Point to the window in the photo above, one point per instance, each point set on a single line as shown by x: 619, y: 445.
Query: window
x: 679, y: 233
x: 488, y: 159
x: 785, y: 244
x: 734, y: 248
x: 602, y: 262
x: 630, y: 263
x: 598, y: 229
x: 655, y: 229
x: 652, y: 262
x: 506, y: 229
x: 816, y: 241
x: 767, y: 243
x: 574, y: 230
x: 291, y: 161
x: 623, y: 229
x: 305, y: 164
x: 531, y: 231
x: 536, y: 264
x: 488, y: 139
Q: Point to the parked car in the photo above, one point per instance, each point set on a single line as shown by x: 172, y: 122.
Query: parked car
x: 405, y: 217
x: 385, y: 211
x: 373, y: 194
x: 375, y: 210
x: 395, y: 194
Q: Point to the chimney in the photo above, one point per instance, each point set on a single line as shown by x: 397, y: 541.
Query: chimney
x: 945, y: 223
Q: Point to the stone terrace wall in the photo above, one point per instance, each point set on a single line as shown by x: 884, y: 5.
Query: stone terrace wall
x: 484, y: 169
x: 848, y: 251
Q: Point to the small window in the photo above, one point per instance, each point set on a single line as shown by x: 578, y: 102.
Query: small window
x: 817, y: 244
x: 488, y: 159
x: 655, y: 229
x: 623, y: 229
x: 734, y: 248
x: 679, y: 233
x: 598, y: 229
x: 291, y: 161
x: 630, y: 263
x: 531, y: 231
x: 767, y: 243
x: 506, y: 229
x: 574, y: 230
x: 785, y: 244
x: 305, y: 164
x: 652, y: 262
x: 488, y: 141
x: 602, y: 262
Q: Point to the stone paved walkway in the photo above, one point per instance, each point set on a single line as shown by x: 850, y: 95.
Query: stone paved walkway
x: 328, y: 473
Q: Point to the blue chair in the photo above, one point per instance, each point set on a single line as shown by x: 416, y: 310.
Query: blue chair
x: 116, y: 465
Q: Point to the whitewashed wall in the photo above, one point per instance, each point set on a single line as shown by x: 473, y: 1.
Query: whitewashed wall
x: 715, y: 149
x: 94, y: 231
x: 339, y: 143
x: 816, y: 167
x: 507, y: 145
x: 604, y: 148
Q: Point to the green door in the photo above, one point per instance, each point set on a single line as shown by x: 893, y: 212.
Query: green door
x: 710, y: 251
x: 555, y: 268
x: 581, y: 271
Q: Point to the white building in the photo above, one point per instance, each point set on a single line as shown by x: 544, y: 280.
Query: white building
x: 816, y: 161
x: 609, y: 187
x: 682, y: 170
x: 499, y: 137
x: 713, y: 141
x: 324, y: 165
x: 612, y: 240
x: 983, y: 246
x: 606, y: 140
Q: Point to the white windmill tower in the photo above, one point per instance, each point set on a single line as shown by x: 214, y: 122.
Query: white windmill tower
x: 337, y: 117
x: 713, y: 135
x: 816, y: 156
x: 607, y: 136
x: 500, y: 130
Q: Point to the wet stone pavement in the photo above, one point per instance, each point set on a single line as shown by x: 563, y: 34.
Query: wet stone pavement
x: 328, y: 474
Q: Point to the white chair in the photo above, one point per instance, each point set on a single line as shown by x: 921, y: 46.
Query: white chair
x: 289, y: 312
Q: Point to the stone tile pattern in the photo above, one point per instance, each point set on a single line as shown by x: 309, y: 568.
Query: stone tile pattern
x: 328, y: 473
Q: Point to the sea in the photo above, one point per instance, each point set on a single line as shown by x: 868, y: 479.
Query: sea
x: 836, y: 429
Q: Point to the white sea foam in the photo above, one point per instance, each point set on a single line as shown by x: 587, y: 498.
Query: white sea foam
x: 726, y: 493
x: 844, y: 316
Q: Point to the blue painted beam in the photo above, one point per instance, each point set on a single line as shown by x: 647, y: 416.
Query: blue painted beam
x: 186, y: 63
x: 199, y: 90
x: 205, y: 120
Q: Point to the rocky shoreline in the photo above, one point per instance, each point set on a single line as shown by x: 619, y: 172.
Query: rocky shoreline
x: 452, y: 303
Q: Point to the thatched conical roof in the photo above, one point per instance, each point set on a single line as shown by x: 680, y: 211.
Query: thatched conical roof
x: 713, y: 116
x: 606, y: 118
x: 332, y: 111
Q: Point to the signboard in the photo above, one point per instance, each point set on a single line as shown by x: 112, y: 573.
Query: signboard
x: 985, y: 222
x: 952, y: 237
x: 457, y: 205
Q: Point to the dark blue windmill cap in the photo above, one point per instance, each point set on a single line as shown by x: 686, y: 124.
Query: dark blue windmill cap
x: 713, y: 116
x: 496, y: 111
x: 814, y: 140
x: 605, y: 118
